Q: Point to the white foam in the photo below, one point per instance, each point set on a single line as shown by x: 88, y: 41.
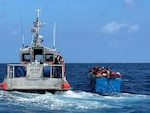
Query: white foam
x: 71, y: 100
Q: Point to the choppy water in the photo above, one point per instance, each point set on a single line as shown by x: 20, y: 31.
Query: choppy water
x: 133, y: 98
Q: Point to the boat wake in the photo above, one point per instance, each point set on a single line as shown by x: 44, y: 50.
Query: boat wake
x: 75, y: 101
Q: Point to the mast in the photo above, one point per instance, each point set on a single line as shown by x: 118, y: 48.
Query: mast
x: 22, y: 30
x: 54, y: 36
x: 23, y: 40
x: 37, y: 40
x: 37, y: 20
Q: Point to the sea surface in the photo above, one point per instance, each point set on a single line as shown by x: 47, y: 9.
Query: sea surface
x: 133, y: 98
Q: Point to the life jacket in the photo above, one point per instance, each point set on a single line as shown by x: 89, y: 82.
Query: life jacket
x: 112, y: 73
x: 104, y: 74
x: 118, y: 74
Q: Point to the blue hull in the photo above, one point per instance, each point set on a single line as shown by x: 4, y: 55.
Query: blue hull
x: 104, y: 84
x: 107, y: 85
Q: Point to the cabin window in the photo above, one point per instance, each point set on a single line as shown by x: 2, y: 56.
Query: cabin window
x: 49, y: 57
x: 26, y: 57
x: 38, y: 58
x: 38, y: 55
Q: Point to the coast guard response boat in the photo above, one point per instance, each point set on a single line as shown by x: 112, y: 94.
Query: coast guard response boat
x: 41, y: 68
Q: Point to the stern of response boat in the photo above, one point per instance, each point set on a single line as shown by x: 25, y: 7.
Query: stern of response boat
x: 35, y: 77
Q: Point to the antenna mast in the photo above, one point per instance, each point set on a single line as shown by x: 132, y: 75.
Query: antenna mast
x: 22, y: 29
x: 54, y: 36
x: 37, y: 38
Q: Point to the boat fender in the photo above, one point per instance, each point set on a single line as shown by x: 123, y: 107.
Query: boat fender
x: 3, y: 86
x: 65, y: 86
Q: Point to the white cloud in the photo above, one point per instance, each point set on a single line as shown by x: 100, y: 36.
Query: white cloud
x: 134, y: 28
x: 130, y: 2
x: 115, y: 27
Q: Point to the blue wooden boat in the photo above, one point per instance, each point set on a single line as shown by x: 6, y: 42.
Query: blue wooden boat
x: 103, y: 80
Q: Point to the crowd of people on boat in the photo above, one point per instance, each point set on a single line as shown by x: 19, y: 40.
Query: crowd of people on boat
x: 100, y: 71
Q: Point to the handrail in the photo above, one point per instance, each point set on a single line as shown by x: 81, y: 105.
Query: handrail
x: 30, y: 70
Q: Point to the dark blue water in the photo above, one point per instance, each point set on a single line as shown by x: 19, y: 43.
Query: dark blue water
x: 133, y: 98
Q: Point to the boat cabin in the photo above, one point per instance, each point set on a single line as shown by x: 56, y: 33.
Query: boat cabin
x: 39, y: 54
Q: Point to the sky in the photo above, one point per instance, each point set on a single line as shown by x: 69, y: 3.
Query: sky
x: 88, y: 31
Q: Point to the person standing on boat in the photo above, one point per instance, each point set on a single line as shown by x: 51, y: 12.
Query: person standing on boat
x: 108, y: 71
x: 58, y: 69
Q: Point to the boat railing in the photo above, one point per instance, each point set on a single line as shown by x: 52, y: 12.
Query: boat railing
x: 35, y: 71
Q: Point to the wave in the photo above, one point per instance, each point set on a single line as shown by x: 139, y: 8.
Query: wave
x: 70, y: 101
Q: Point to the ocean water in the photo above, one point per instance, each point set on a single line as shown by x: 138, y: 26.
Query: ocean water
x: 133, y: 98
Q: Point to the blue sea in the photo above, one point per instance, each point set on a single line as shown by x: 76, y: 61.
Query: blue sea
x: 133, y: 98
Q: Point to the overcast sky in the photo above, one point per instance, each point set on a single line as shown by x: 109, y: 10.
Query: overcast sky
x: 88, y: 31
